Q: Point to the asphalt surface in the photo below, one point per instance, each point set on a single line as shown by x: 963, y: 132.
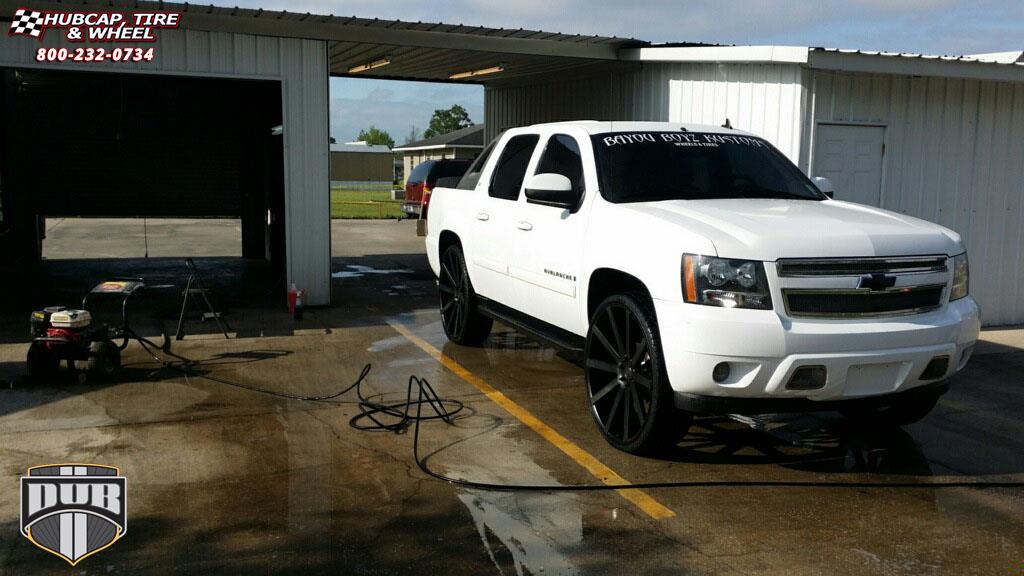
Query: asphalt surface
x: 225, y: 480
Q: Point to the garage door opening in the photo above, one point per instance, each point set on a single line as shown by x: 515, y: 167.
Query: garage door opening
x: 384, y: 130
x: 137, y: 172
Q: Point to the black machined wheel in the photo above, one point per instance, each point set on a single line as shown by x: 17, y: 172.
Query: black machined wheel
x: 463, y: 324
x: 626, y: 383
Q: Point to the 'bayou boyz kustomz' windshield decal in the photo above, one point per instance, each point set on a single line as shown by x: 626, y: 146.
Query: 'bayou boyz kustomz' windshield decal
x: 680, y: 139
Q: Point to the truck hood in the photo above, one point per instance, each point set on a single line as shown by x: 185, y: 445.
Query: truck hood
x: 766, y: 230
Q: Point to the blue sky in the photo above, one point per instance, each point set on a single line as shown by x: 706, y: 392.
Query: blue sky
x: 928, y: 26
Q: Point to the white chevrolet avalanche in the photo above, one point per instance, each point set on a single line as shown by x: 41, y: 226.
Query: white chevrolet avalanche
x: 698, y: 271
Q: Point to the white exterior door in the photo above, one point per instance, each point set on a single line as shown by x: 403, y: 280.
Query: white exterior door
x: 494, y: 228
x: 851, y: 157
x: 547, y: 252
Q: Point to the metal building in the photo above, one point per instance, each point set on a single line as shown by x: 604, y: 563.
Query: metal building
x: 361, y: 166
x: 941, y: 138
x: 288, y: 220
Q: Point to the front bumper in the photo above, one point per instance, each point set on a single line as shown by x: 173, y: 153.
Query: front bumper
x: 863, y: 358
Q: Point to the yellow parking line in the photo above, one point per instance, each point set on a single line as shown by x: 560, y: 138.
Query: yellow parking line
x: 641, y: 499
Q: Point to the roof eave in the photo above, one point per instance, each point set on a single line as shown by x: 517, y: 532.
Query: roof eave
x: 436, y: 147
x: 914, y: 66
x: 720, y: 54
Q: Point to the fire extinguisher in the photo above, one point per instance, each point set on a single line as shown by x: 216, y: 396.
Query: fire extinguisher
x: 293, y: 296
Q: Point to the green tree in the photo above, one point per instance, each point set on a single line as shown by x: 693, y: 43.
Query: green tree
x: 374, y: 135
x: 445, y: 121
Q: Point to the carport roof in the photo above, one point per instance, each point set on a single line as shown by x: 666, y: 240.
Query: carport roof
x: 416, y: 50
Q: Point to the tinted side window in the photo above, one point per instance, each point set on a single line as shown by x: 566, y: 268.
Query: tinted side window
x: 510, y: 170
x: 472, y: 176
x: 419, y: 173
x: 562, y: 156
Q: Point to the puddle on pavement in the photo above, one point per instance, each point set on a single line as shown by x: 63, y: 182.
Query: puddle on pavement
x: 522, y: 532
x: 358, y: 271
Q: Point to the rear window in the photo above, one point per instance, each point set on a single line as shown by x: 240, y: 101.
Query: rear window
x: 419, y: 173
x: 447, y: 169
x: 653, y: 166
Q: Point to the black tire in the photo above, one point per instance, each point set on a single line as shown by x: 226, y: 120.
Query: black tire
x: 898, y: 413
x: 628, y: 390
x: 104, y: 360
x: 463, y: 323
x: 42, y: 361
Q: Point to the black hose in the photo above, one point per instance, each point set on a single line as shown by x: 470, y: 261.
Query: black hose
x: 445, y: 410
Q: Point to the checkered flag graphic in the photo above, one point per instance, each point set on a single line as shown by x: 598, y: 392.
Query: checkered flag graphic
x: 27, y: 22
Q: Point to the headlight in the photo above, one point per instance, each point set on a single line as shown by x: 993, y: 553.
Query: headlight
x: 724, y: 282
x: 961, y: 278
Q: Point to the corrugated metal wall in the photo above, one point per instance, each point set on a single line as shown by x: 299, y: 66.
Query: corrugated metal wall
x: 767, y: 100
x: 301, y: 66
x: 955, y: 156
x: 634, y: 95
x: 362, y: 166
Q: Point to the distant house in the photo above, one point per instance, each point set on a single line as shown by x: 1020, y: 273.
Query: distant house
x: 464, y: 143
x: 362, y: 166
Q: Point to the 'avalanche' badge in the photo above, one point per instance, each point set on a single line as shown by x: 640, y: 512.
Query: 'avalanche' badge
x: 74, y: 510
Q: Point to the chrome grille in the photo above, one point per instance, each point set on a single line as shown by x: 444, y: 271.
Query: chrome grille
x: 797, y: 267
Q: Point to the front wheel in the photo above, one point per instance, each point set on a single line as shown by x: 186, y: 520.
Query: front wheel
x: 463, y: 323
x: 627, y: 386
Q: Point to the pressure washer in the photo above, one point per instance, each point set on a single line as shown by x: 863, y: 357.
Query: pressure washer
x: 82, y: 340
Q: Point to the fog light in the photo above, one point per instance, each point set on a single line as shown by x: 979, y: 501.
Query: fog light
x: 721, y: 372
x: 808, y: 378
x: 936, y: 368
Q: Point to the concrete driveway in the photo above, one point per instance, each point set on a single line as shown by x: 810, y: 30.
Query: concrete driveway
x: 223, y: 479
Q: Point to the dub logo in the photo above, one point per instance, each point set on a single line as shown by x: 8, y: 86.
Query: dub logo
x: 74, y: 510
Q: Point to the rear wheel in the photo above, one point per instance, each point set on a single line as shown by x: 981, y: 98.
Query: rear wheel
x: 627, y: 386
x: 898, y: 413
x: 42, y: 361
x: 463, y: 323
x: 104, y: 360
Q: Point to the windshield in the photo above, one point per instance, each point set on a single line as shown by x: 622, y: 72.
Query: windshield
x: 652, y: 166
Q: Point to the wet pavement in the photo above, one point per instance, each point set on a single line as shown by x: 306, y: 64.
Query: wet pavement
x: 225, y: 480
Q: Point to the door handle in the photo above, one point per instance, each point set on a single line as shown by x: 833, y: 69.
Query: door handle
x: 524, y: 225
x: 483, y: 216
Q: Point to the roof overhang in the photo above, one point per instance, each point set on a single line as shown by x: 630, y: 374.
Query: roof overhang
x: 915, y: 65
x: 416, y: 50
x: 438, y: 147
x: 719, y: 54
x: 996, y: 67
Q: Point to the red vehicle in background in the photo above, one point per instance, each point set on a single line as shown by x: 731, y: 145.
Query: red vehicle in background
x: 424, y: 178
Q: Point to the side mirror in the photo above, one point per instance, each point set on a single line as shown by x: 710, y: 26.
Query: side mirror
x: 825, y: 185
x: 551, y: 190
